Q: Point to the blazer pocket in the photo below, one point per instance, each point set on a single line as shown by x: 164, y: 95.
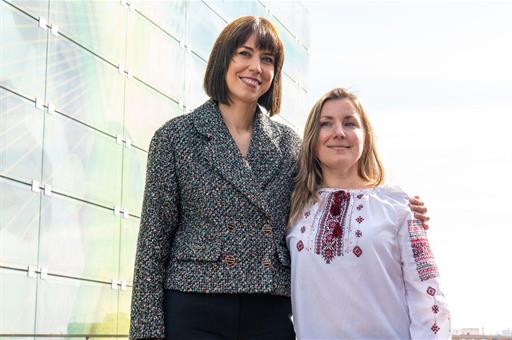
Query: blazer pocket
x: 197, y: 248
x: 283, y: 255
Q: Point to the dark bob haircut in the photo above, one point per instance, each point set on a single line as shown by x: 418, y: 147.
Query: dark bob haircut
x: 234, y: 35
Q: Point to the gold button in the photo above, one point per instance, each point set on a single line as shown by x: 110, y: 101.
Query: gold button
x: 267, y: 229
x: 266, y: 262
x: 230, y: 260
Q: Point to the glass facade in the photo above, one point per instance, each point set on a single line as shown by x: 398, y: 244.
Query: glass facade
x: 83, y: 87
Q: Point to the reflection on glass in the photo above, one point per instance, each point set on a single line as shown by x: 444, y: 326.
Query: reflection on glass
x: 75, y: 307
x: 21, y: 134
x: 145, y: 111
x: 155, y: 57
x: 231, y: 10
x: 78, y: 239
x: 22, y: 52
x: 19, y: 224
x: 134, y: 174
x: 123, y: 323
x: 84, y: 86
x: 289, y: 102
x: 203, y: 28
x: 195, y: 94
x: 18, y: 302
x: 129, y: 234
x: 82, y: 162
x: 36, y: 8
x: 169, y: 15
x: 91, y: 23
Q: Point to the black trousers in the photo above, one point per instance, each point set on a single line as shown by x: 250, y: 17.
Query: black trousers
x: 196, y: 316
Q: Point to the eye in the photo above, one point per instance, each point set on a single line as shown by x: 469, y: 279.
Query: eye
x: 268, y: 60
x: 325, y: 124
x: 244, y: 53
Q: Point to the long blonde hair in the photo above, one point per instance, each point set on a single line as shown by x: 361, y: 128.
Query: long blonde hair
x: 309, y: 175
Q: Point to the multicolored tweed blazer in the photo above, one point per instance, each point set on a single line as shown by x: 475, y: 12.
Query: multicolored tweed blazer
x: 212, y: 221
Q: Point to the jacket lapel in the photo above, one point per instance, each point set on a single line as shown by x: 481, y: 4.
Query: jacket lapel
x: 222, y: 154
x: 264, y: 152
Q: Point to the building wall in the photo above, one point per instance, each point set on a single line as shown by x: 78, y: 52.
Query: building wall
x: 83, y: 86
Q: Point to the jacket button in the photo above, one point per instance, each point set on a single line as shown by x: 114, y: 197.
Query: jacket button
x: 266, y: 262
x: 267, y: 229
x: 231, y: 226
x: 230, y: 260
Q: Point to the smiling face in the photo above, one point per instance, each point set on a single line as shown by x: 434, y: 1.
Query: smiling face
x: 341, y: 138
x: 250, y: 72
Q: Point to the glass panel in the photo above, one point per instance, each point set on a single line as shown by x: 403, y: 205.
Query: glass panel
x: 203, y: 28
x: 22, y: 52
x: 18, y: 296
x: 21, y: 135
x: 78, y: 239
x: 162, y: 69
x: 75, y: 307
x: 82, y: 162
x: 231, y: 10
x: 37, y: 8
x: 195, y: 94
x: 123, y: 316
x: 84, y: 86
x: 134, y: 175
x: 19, y: 224
x: 91, y: 24
x: 129, y: 235
x: 169, y: 15
x: 303, y: 24
x: 145, y: 111
x: 286, y: 12
x: 291, y: 47
x: 292, y: 107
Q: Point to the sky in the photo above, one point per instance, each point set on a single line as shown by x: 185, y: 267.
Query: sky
x: 436, y: 80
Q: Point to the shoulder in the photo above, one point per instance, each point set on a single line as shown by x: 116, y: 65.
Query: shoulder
x: 284, y: 135
x: 394, y: 199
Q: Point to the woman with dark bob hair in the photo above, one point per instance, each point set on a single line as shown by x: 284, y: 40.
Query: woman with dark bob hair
x: 212, y: 261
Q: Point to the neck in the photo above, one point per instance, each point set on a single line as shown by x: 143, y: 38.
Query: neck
x: 343, y: 178
x: 238, y: 116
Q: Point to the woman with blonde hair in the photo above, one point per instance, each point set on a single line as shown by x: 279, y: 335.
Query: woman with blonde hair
x: 361, y: 263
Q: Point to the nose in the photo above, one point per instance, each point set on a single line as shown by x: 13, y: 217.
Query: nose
x: 339, y: 131
x: 255, y: 65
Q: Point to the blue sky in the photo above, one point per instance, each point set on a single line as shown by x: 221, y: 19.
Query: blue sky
x: 436, y: 79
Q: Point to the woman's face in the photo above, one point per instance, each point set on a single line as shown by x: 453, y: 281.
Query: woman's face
x: 341, y: 137
x: 250, y: 72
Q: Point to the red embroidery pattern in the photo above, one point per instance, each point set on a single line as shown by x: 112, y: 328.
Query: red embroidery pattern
x: 359, y: 219
x: 360, y: 196
x: 435, y: 328
x: 359, y: 207
x: 303, y: 229
x: 307, y: 213
x: 435, y: 309
x: 357, y: 251
x: 431, y: 291
x: 329, y: 239
x: 300, y: 246
x: 423, y: 257
x: 359, y: 233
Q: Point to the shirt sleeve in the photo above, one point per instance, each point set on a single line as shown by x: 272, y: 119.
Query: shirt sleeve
x: 428, y: 311
x: 158, y: 222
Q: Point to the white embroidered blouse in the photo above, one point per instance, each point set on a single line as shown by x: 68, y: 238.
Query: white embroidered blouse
x: 362, y: 269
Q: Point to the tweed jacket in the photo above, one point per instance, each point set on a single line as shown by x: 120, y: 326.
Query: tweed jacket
x: 212, y: 221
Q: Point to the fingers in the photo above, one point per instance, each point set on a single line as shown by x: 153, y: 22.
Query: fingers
x: 421, y: 216
x: 417, y: 209
x: 416, y: 201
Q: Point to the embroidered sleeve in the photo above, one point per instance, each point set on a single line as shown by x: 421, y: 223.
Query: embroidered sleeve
x: 158, y: 222
x: 430, y: 318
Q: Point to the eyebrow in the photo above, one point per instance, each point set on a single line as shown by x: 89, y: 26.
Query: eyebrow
x: 269, y: 53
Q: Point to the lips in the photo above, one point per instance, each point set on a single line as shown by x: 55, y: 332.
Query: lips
x: 252, y: 82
